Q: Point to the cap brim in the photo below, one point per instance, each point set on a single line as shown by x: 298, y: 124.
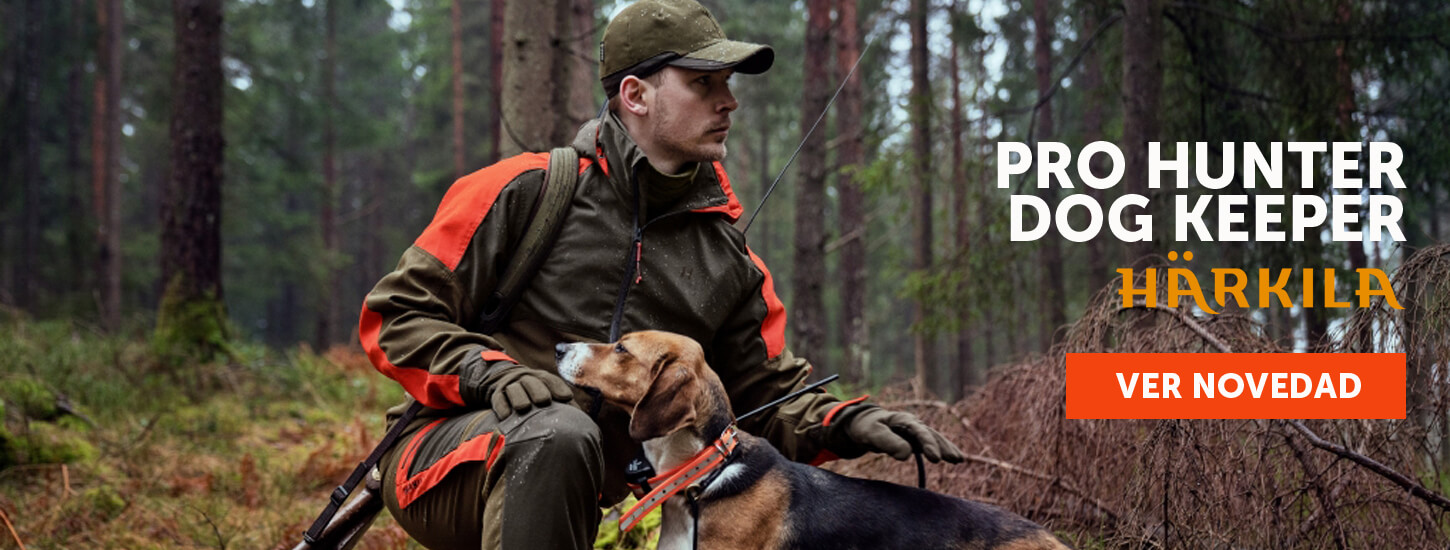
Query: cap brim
x: 744, y: 57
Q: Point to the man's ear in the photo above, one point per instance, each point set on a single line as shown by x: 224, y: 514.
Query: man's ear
x: 632, y: 95
x: 667, y: 405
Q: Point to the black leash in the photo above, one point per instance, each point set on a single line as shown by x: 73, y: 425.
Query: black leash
x: 824, y: 381
x: 920, y: 466
x: 915, y: 445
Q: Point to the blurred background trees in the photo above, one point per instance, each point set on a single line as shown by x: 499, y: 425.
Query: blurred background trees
x: 344, y: 121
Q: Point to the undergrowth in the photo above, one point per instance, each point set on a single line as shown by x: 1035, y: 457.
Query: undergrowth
x: 223, y: 455
x: 233, y: 455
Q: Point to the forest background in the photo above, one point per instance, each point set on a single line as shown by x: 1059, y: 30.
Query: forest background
x: 196, y: 194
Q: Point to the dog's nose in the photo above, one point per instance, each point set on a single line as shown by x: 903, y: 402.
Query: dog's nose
x: 559, y: 351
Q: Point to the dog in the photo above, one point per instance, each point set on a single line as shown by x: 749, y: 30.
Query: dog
x: 747, y: 495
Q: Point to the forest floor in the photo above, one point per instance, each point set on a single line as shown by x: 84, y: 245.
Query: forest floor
x: 228, y: 456
x: 237, y: 455
x: 103, y: 447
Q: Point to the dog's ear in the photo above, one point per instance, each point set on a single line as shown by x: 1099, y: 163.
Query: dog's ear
x: 667, y: 405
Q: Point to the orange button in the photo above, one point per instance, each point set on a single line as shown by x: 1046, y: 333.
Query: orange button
x: 1235, y: 385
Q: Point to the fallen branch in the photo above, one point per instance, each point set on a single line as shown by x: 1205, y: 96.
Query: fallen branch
x: 11, y: 527
x: 1183, y: 316
x: 1055, y: 481
x: 1373, y: 465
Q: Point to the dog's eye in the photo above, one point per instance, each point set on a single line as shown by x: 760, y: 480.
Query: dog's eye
x: 619, y: 348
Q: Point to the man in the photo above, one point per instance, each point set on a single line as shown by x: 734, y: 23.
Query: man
x: 507, y: 455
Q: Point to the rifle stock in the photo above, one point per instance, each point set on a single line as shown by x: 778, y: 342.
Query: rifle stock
x: 352, y: 520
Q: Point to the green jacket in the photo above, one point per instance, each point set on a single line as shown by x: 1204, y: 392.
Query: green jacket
x: 691, y: 272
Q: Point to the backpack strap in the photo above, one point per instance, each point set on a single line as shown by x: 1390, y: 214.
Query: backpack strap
x: 560, y: 180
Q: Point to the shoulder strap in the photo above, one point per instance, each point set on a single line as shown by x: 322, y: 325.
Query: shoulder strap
x: 550, y: 208
x: 560, y: 180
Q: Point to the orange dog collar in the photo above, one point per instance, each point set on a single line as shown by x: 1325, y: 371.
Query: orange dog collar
x: 670, y: 483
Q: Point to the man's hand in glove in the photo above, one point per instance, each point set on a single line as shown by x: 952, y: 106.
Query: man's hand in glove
x: 517, y: 388
x: 893, y: 432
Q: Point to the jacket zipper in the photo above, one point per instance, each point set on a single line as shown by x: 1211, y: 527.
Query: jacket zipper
x: 633, y: 260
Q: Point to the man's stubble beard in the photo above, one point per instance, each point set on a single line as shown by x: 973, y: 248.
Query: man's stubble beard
x: 683, y: 145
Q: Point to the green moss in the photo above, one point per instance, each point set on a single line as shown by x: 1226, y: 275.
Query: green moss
x: 30, y: 396
x: 105, y: 502
x: 190, y: 328
x: 643, y: 536
x: 52, y: 444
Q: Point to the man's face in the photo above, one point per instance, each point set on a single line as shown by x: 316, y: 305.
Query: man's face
x: 690, y: 115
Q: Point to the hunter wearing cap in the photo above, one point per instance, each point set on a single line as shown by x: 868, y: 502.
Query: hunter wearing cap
x: 506, y: 454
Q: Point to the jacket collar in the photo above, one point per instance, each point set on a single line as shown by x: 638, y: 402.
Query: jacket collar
x: 605, y: 141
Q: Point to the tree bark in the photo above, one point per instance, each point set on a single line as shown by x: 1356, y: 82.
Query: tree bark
x: 762, y: 228
x: 76, y: 226
x: 538, y: 69
x: 1345, y: 108
x: 989, y: 317
x: 583, y: 55
x: 1142, y: 84
x: 1050, y: 255
x: 31, y: 175
x: 965, y: 370
x: 459, y: 168
x: 327, y: 310
x: 923, y: 344
x: 809, y: 273
x: 855, y: 339
x: 1092, y: 120
x: 191, y: 319
x: 495, y: 81
x: 105, y: 137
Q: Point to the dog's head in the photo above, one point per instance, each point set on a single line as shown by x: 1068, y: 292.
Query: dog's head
x: 660, y: 376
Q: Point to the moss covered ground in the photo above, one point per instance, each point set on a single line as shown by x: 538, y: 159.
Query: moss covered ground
x: 104, y: 446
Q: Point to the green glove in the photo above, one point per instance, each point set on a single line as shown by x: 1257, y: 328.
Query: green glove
x: 893, y: 432
x: 514, y: 387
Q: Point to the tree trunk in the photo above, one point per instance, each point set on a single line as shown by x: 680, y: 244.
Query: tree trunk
x: 923, y: 344
x: 31, y: 175
x: 76, y: 226
x: 1345, y: 108
x: 583, y: 55
x: 495, y: 81
x: 965, y: 371
x: 1142, y: 83
x: 537, y: 113
x: 854, y: 337
x: 761, y: 245
x: 105, y: 137
x: 327, y: 310
x: 191, y: 319
x: 988, y: 325
x: 1092, y: 121
x: 459, y: 168
x: 809, y: 273
x: 1050, y: 255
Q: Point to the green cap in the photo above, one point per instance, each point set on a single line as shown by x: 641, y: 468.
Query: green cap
x: 649, y: 34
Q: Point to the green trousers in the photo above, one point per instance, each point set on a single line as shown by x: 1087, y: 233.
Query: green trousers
x: 470, y: 481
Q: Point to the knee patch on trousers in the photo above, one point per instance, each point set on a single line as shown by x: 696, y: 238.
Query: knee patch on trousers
x: 415, y: 480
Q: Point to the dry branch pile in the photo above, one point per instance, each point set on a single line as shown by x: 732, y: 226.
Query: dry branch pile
x: 1211, y: 483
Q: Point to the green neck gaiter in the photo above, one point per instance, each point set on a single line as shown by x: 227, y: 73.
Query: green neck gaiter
x: 663, y: 190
